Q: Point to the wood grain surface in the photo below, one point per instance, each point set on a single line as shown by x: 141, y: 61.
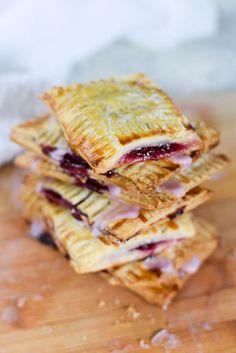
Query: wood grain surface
x: 45, y: 307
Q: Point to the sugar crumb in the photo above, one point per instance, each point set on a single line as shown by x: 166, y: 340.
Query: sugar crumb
x: 11, y: 315
x: 165, y: 339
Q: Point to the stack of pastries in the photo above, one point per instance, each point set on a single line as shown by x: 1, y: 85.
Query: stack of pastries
x: 112, y: 175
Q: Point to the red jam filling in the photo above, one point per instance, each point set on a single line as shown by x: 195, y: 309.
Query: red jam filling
x: 149, y: 153
x: 70, y: 162
x: 77, y: 167
x: 46, y: 239
x: 57, y: 199
x: 177, y: 213
x: 93, y: 185
x: 151, y: 248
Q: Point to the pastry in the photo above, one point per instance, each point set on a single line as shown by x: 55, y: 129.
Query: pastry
x: 121, y: 121
x: 114, y: 221
x: 88, y: 253
x: 158, y: 278
x: 44, y: 137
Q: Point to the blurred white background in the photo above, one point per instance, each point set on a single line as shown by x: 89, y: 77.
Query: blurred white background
x: 187, y: 46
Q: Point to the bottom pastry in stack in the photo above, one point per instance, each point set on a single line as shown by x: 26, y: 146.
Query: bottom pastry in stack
x: 154, y: 264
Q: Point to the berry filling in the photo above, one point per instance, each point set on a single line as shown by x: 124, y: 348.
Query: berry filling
x: 57, y: 199
x: 93, y: 185
x: 68, y: 161
x: 149, y: 153
x: 151, y: 248
x: 46, y: 239
x: 75, y: 166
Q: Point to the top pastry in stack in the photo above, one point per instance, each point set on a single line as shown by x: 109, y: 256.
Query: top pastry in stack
x: 115, y: 168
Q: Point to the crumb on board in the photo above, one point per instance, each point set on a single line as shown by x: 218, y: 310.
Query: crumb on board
x: 10, y: 315
x: 21, y: 301
x: 101, y: 303
x: 132, y: 312
x: 143, y: 344
x: 165, y: 339
x: 117, y: 301
x: 206, y: 326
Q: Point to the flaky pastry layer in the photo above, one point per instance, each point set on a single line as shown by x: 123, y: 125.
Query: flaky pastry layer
x: 158, y: 279
x: 105, y: 120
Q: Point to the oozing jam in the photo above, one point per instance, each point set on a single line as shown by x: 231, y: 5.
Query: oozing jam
x: 177, y: 213
x: 69, y: 161
x: 74, y: 164
x: 109, y: 174
x: 149, y: 153
x: 151, y: 248
x: 93, y: 185
x: 57, y: 199
x: 46, y: 239
x: 77, y: 167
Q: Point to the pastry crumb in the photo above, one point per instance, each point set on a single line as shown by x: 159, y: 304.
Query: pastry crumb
x: 11, y: 315
x: 143, y: 344
x: 84, y: 338
x: 21, y: 301
x: 206, y: 326
x: 117, y: 301
x: 132, y: 312
x: 165, y: 339
x: 101, y: 303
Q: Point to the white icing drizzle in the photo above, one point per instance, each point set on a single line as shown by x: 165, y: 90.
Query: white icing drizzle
x: 182, y: 159
x: 34, y: 165
x: 192, y: 265
x: 114, y: 190
x: 39, y: 186
x: 36, y: 228
x: 117, y: 210
x: 143, y: 344
x: 58, y: 154
x: 159, y: 262
x: 172, y: 186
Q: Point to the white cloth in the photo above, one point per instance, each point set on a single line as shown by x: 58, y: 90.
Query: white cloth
x: 41, y: 40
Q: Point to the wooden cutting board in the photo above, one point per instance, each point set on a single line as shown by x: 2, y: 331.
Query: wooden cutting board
x: 46, y: 308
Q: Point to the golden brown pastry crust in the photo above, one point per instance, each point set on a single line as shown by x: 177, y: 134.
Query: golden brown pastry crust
x: 200, y: 171
x: 160, y: 287
x: 119, y: 230
x: 105, y: 119
x: 141, y: 178
x: 90, y: 254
